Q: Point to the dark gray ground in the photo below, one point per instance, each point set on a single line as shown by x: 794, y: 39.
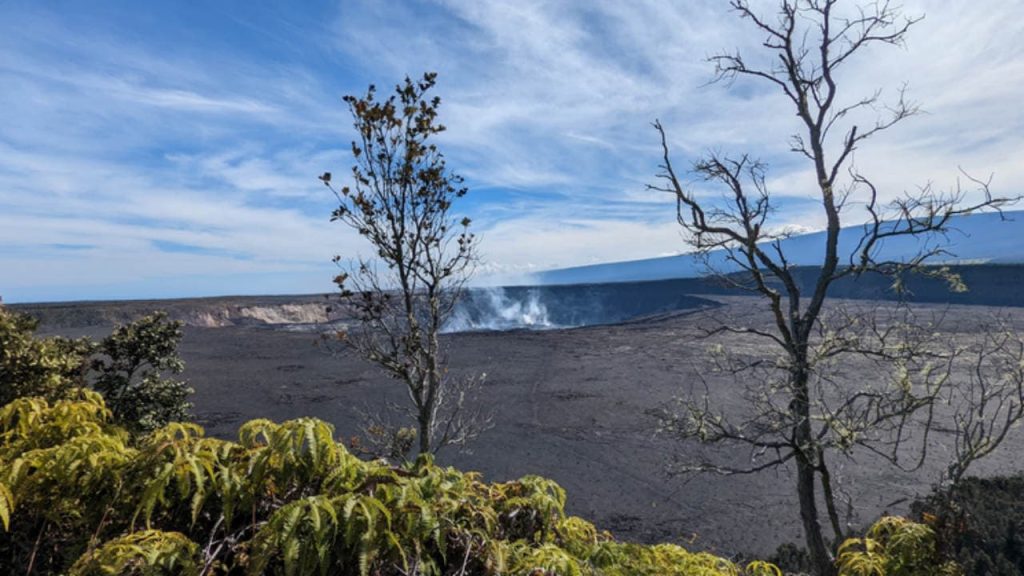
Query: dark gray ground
x: 573, y: 405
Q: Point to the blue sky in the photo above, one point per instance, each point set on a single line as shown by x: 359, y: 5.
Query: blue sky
x: 161, y: 149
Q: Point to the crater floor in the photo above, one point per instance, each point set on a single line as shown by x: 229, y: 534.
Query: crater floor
x: 576, y: 406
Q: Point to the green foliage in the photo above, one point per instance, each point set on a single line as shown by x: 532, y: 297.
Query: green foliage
x: 980, y: 523
x: 791, y: 558
x: 61, y: 463
x: 666, y: 560
x: 31, y: 366
x: 175, y: 465
x: 128, y: 370
x: 127, y: 367
x: 6, y: 506
x: 894, y: 547
x: 301, y: 535
x: 145, y: 553
x: 76, y: 498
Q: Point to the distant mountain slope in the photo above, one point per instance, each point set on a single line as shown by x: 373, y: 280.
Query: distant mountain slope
x: 978, y: 238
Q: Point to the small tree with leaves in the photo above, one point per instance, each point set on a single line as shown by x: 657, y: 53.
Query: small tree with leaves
x: 798, y: 411
x: 129, y: 368
x: 31, y: 366
x: 400, y: 200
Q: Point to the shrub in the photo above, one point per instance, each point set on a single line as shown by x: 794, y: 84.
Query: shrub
x: 980, y: 523
x: 128, y: 369
x: 31, y: 366
x: 145, y: 553
x: 894, y: 547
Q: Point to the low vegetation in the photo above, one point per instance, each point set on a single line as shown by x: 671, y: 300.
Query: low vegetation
x: 130, y: 368
x: 77, y: 498
x: 980, y: 523
x: 31, y: 366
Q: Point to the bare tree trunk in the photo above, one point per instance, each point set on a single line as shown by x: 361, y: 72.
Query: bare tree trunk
x: 830, y: 497
x: 424, y: 433
x: 821, y: 558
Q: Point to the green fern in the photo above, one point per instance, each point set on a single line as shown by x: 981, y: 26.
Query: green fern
x: 894, y: 547
x: 299, y: 539
x: 288, y: 499
x: 176, y: 463
x: 145, y: 553
x: 6, y: 506
x: 70, y: 483
x: 545, y: 559
x: 292, y: 459
x: 33, y: 423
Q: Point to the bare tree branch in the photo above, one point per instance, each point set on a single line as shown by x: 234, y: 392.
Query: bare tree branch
x: 401, y: 201
x: 800, y: 406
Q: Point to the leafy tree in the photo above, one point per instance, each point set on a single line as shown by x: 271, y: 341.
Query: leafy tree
x: 31, y: 366
x: 798, y: 411
x: 401, y: 200
x: 128, y: 369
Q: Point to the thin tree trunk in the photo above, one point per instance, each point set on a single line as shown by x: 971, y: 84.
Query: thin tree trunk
x: 821, y: 558
x: 425, y: 439
x: 830, y: 498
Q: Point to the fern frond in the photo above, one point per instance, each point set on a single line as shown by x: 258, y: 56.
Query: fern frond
x: 6, y: 506
x: 546, y: 559
x: 300, y: 537
x: 176, y: 463
x: 148, y: 553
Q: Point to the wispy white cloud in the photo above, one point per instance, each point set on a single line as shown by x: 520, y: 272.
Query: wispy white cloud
x: 602, y: 72
x: 209, y: 132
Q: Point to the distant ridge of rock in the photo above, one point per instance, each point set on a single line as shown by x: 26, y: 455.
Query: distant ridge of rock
x: 201, y: 312
x: 977, y: 239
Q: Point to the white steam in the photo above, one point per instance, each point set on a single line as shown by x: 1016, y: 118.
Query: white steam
x: 496, y: 309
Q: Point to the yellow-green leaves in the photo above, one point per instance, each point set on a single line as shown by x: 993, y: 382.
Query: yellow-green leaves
x: 286, y: 500
x: 6, y: 506
x: 292, y: 458
x: 546, y: 559
x: 762, y: 568
x: 176, y: 464
x: 894, y: 547
x: 30, y: 366
x: 300, y: 537
x: 145, y: 553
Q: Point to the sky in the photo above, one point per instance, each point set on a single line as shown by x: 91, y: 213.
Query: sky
x: 170, y: 149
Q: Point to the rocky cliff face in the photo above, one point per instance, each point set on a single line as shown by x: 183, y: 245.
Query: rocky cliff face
x: 266, y: 314
x: 202, y: 312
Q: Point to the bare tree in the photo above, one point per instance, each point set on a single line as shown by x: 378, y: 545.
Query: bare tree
x: 799, y: 412
x: 401, y: 201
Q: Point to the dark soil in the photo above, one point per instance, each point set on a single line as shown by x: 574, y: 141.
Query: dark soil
x: 574, y: 405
